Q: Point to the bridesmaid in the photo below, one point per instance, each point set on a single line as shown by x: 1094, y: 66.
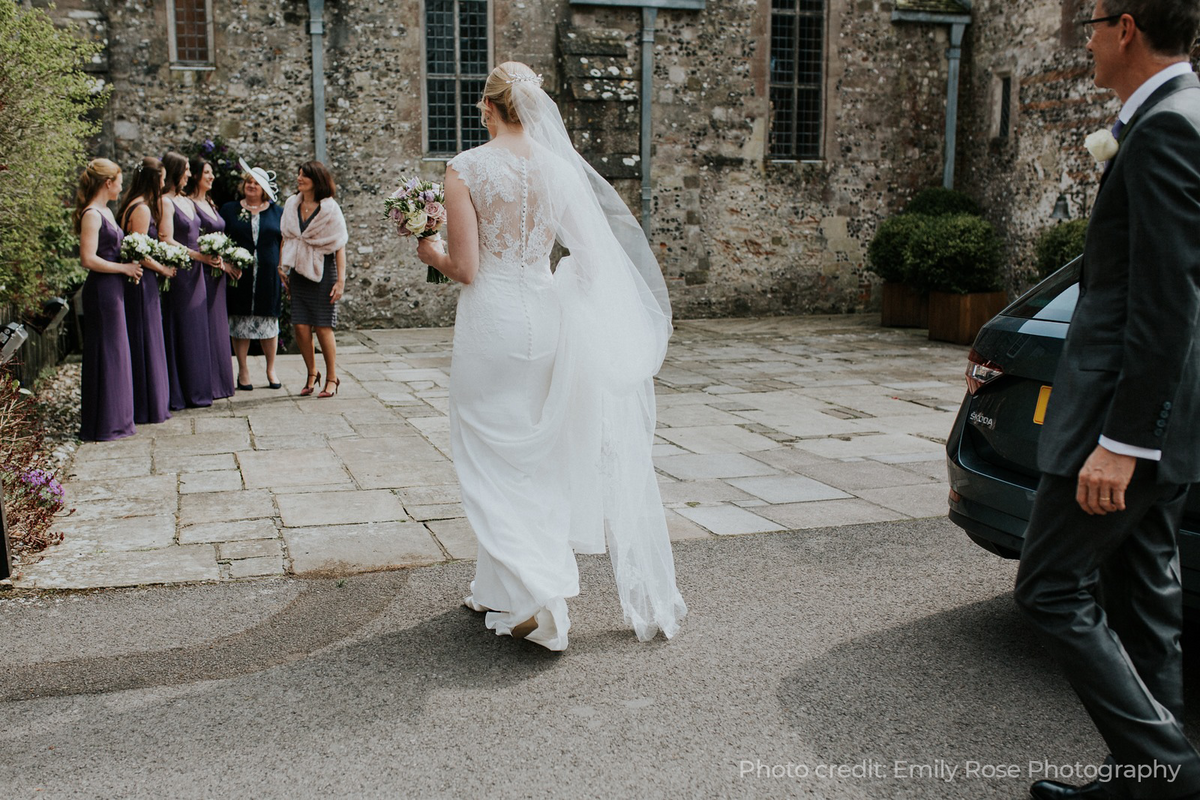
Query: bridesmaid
x: 255, y: 303
x: 185, y: 319
x: 220, y: 351
x: 106, y: 405
x: 139, y: 213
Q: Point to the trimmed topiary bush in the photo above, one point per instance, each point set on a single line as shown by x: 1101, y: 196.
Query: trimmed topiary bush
x: 940, y: 202
x: 1059, y: 244
x: 885, y: 254
x: 959, y: 253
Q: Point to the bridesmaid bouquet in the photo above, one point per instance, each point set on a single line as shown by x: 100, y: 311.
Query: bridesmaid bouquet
x: 215, y: 244
x: 241, y: 258
x: 417, y: 209
x: 137, y: 247
x: 170, y: 255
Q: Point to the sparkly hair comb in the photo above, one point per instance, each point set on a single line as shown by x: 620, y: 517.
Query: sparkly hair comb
x: 526, y: 79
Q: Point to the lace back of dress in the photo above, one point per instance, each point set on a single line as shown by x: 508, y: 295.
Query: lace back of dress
x: 511, y: 197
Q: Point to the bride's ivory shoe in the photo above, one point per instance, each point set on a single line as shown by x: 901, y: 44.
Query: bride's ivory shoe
x: 525, y: 628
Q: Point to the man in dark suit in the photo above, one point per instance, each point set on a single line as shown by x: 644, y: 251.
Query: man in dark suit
x: 1099, y: 574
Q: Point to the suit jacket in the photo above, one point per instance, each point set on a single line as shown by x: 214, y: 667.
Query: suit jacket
x: 1129, y: 369
x: 259, y: 295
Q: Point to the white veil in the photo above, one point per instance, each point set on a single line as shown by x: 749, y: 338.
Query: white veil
x: 616, y: 318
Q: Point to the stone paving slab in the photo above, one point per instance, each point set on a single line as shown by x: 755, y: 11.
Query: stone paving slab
x: 339, y: 549
x: 763, y: 424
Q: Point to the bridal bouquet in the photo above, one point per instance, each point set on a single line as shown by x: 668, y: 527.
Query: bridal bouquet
x: 417, y: 209
x: 215, y: 244
x: 171, y: 255
x: 137, y: 247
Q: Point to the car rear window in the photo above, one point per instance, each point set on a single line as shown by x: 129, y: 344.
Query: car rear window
x: 1053, y: 299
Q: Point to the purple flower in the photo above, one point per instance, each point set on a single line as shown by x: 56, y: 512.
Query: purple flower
x: 428, y: 196
x: 207, y: 145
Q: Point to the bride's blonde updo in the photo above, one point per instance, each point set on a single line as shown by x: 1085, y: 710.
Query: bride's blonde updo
x: 499, y: 89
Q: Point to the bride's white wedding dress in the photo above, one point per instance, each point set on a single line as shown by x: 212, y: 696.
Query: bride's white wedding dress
x: 551, y: 400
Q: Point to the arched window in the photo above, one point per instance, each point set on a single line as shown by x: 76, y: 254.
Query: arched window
x: 797, y: 78
x: 457, y: 62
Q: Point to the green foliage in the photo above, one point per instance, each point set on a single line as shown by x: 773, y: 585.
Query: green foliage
x: 45, y: 100
x: 886, y: 251
x: 62, y: 273
x: 32, y: 493
x: 227, y: 173
x: 1059, y: 244
x: 940, y: 202
x: 959, y: 253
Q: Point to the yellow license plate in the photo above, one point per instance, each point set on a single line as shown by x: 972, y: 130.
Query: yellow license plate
x: 1039, y: 413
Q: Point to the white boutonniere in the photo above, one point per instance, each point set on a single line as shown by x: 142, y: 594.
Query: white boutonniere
x: 1102, y: 145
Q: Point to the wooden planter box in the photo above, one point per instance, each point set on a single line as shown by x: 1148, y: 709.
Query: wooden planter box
x: 904, y: 307
x: 957, y: 318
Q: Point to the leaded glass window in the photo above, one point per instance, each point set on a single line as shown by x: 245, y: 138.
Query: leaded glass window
x: 191, y: 32
x: 457, y: 58
x: 797, y: 78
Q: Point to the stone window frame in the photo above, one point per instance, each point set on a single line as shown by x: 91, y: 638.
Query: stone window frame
x: 821, y: 84
x: 172, y: 44
x: 458, y: 77
x: 999, y: 113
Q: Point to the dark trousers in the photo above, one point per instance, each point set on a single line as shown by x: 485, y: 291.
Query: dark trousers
x: 1104, y: 593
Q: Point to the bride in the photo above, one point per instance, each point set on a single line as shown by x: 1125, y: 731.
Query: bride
x: 552, y: 410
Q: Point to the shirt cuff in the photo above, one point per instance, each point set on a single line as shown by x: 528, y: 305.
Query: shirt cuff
x: 1130, y: 450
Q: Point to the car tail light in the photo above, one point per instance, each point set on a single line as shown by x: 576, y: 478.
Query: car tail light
x: 980, y: 371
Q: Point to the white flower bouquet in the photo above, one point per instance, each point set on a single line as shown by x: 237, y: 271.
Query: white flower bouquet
x: 417, y: 209
x: 214, y: 244
x: 241, y: 258
x: 171, y: 255
x: 136, y: 247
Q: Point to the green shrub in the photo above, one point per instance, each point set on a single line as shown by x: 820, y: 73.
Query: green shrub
x: 885, y: 255
x: 940, y: 202
x: 62, y: 273
x: 45, y: 120
x: 1059, y: 244
x: 959, y: 253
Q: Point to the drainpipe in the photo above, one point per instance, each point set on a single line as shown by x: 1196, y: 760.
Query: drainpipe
x: 316, y: 28
x: 649, y: 17
x: 955, y: 54
x: 958, y: 26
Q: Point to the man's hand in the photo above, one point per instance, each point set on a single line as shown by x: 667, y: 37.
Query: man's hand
x: 1103, y: 480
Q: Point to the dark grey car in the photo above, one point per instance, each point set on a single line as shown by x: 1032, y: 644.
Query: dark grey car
x: 992, y: 451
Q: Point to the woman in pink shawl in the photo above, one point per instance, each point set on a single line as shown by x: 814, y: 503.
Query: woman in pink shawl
x: 312, y: 263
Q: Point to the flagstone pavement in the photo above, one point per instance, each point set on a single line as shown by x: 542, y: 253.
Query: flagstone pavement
x: 764, y: 424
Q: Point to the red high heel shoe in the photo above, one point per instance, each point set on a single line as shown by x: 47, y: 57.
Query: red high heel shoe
x: 337, y: 382
x: 309, y: 387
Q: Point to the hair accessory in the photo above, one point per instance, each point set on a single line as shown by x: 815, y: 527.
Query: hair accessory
x: 526, y: 79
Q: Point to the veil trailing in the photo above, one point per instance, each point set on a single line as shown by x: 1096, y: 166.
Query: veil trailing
x: 616, y: 321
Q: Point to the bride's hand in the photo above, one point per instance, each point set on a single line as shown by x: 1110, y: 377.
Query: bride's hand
x: 431, y: 249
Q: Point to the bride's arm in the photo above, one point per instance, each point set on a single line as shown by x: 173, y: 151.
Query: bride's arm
x: 462, y: 231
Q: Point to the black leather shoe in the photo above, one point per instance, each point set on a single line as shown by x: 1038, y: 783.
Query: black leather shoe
x: 1053, y: 790
x: 245, y: 387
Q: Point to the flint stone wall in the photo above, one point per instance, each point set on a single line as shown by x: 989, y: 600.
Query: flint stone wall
x: 735, y: 233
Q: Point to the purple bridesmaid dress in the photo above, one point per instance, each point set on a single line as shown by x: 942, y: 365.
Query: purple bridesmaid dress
x: 220, y: 349
x: 106, y: 405
x: 185, y: 327
x: 143, y: 320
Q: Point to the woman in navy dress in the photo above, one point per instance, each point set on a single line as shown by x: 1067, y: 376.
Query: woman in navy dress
x: 185, y: 318
x: 197, y: 190
x: 138, y: 213
x: 256, y: 302
x: 106, y: 403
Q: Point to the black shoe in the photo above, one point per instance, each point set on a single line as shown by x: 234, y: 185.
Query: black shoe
x: 245, y: 387
x: 274, y: 385
x: 1053, y: 790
